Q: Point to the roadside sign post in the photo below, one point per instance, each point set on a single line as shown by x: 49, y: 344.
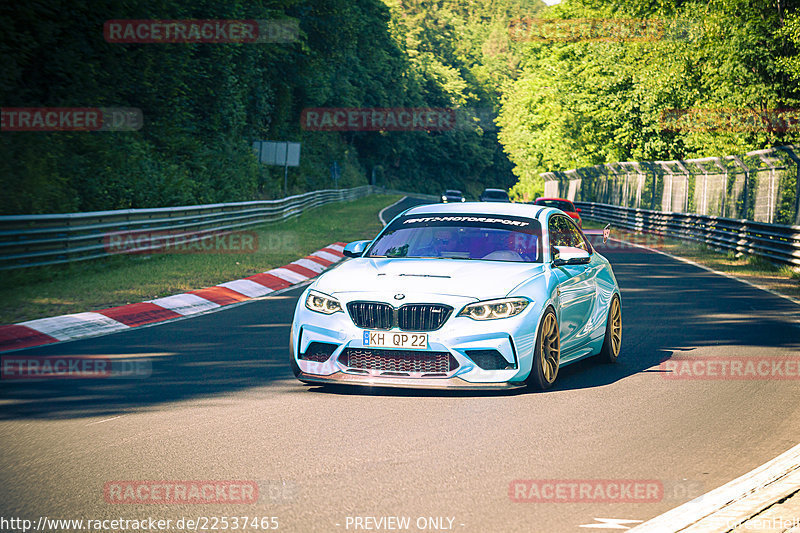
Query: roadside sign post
x: 335, y: 174
x: 286, y: 172
x: 280, y: 153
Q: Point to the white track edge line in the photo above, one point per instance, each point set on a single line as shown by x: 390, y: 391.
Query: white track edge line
x: 380, y: 214
x: 709, y: 269
x: 731, y: 492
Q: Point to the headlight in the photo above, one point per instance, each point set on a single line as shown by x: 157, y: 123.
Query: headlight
x: 322, y: 303
x: 494, y: 309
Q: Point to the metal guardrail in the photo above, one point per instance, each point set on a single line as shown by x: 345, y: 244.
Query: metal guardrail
x: 772, y: 241
x: 37, y: 240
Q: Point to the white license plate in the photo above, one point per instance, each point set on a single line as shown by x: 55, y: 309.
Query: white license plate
x: 400, y: 340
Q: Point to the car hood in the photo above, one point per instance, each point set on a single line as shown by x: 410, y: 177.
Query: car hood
x: 466, y: 278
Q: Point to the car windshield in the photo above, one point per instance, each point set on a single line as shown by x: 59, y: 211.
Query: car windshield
x: 451, y: 192
x: 558, y: 204
x: 461, y: 236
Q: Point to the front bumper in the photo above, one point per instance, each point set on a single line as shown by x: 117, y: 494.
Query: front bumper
x: 460, y: 337
x: 453, y: 383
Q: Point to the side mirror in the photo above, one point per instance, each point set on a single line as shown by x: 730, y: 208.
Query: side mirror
x: 577, y: 209
x: 355, y: 248
x: 566, y: 255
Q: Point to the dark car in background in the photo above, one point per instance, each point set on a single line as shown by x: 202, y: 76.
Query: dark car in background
x: 452, y: 195
x: 563, y: 204
x: 494, y: 195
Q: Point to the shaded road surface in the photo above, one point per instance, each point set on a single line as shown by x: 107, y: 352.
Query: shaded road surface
x: 221, y: 405
x: 405, y: 203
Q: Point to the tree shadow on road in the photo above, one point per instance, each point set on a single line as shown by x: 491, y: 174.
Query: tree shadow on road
x: 669, y: 308
x: 205, y: 356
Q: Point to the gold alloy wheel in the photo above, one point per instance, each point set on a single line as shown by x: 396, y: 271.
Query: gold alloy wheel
x: 615, y: 316
x: 550, y: 348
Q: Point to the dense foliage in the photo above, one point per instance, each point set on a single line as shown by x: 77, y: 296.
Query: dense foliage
x: 581, y: 102
x: 561, y: 103
x: 204, y: 104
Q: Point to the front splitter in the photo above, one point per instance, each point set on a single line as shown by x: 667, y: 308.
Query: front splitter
x: 452, y: 383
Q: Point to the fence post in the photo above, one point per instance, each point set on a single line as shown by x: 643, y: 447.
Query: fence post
x: 746, y: 189
x: 668, y: 191
x: 655, y: 188
x: 745, y: 185
x: 720, y: 166
x: 796, y: 160
x: 639, y: 185
x: 685, y: 171
x: 725, y: 194
x: 771, y: 205
x: 797, y: 187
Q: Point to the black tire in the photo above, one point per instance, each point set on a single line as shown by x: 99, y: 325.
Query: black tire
x: 612, y: 342
x: 546, y: 354
x: 293, y: 364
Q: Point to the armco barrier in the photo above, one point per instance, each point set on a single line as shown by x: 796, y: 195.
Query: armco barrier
x: 36, y: 240
x: 772, y: 241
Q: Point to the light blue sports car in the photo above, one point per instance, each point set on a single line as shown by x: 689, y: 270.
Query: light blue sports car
x: 467, y: 295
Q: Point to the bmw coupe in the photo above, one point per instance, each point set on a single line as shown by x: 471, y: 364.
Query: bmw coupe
x: 467, y: 295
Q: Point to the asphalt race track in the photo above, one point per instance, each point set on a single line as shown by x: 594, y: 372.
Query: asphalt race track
x: 221, y: 404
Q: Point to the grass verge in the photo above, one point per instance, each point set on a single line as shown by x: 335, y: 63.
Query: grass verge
x: 119, y: 280
x: 782, y: 279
